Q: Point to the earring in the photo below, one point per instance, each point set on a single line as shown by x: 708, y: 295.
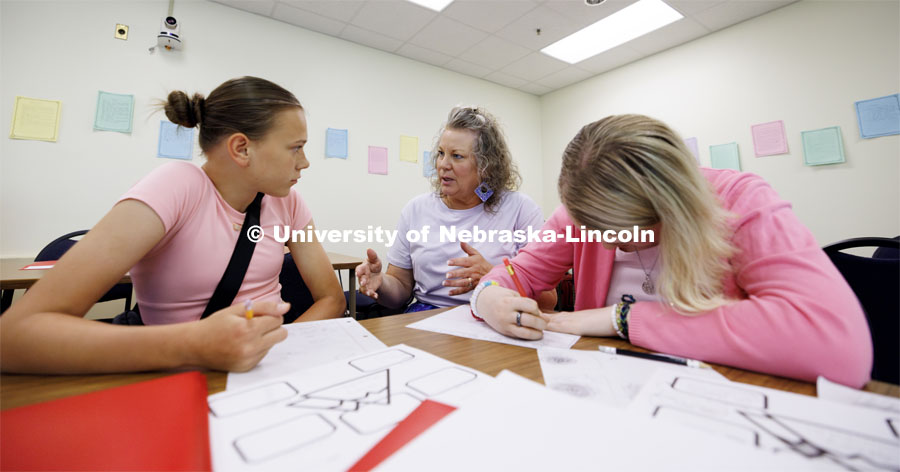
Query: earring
x: 484, y: 192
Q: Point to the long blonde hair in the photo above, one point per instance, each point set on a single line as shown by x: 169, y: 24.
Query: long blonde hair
x: 627, y: 170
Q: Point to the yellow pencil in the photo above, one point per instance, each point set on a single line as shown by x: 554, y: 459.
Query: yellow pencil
x: 248, y: 306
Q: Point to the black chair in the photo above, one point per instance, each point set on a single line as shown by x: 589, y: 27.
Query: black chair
x: 294, y: 290
x: 60, y: 245
x: 367, y: 308
x: 876, y: 283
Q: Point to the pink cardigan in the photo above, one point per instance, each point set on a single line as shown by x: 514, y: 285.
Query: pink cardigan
x: 794, y: 314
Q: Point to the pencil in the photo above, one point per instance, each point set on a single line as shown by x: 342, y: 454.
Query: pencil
x: 512, y: 273
x: 656, y: 357
x: 248, y: 307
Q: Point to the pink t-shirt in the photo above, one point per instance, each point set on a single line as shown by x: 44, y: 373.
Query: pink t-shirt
x: 175, y: 280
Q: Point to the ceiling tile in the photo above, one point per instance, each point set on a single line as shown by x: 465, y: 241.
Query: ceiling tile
x: 342, y: 10
x: 260, y: 7
x: 397, y: 19
x: 736, y: 11
x: 463, y: 67
x: 567, y: 76
x: 371, y: 39
x: 691, y: 7
x: 505, y: 79
x: 488, y: 16
x: 553, y: 26
x: 668, y: 36
x: 534, y: 66
x: 308, y: 20
x: 494, y: 53
x: 448, y: 36
x: 582, y: 15
x: 423, y: 55
x: 535, y: 89
x: 609, y: 60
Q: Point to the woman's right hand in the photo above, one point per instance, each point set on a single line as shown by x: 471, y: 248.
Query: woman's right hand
x: 228, y: 341
x: 369, y: 275
x: 500, y: 308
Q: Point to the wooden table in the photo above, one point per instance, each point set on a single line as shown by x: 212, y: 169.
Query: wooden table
x: 490, y: 358
x: 11, y: 278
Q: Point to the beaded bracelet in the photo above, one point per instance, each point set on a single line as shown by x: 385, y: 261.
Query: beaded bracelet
x: 622, y: 310
x: 474, y: 298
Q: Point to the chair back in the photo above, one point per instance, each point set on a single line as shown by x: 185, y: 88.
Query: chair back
x: 876, y: 283
x: 294, y: 290
x: 55, y: 250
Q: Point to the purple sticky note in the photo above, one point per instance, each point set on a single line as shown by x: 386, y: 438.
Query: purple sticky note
x: 378, y: 160
x: 691, y: 144
x: 769, y: 138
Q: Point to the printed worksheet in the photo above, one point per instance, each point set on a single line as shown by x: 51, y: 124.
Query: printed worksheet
x: 460, y: 322
x: 327, y: 417
x: 309, y: 344
x: 606, y: 378
x: 834, y: 392
x: 827, y: 435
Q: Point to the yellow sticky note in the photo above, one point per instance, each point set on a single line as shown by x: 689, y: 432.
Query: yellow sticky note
x: 36, y: 119
x: 409, y: 148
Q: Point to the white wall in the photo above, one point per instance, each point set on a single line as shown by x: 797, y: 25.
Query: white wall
x: 806, y: 64
x: 65, y: 50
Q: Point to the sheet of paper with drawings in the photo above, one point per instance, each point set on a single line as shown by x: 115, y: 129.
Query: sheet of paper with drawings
x: 309, y: 344
x: 459, y: 322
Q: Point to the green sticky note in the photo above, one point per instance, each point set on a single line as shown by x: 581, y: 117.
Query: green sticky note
x: 114, y: 112
x: 725, y: 156
x: 823, y: 146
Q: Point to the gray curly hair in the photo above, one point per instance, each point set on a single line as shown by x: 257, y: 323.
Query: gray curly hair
x: 496, y: 168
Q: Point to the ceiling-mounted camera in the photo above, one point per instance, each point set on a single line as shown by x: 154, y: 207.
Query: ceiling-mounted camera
x: 169, y: 36
x: 593, y: 3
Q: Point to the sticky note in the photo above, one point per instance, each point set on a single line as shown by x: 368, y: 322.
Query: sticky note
x: 336, y: 143
x: 769, y: 138
x: 823, y: 146
x: 725, y: 156
x: 409, y: 148
x: 428, y: 169
x: 175, y: 142
x: 378, y: 160
x: 114, y: 112
x: 879, y: 116
x: 35, y: 119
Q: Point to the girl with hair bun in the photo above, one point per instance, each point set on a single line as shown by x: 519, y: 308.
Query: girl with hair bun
x: 176, y: 231
x: 730, y: 276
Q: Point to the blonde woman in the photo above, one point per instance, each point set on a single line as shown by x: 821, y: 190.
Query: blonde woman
x: 731, y: 276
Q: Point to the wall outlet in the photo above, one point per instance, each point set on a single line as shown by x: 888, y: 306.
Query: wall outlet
x: 122, y: 32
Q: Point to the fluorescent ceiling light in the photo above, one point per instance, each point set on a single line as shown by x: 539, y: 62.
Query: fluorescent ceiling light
x: 436, y: 5
x: 622, y: 26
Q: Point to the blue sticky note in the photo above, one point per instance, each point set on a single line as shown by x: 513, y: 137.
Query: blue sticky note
x: 175, y: 142
x: 725, y: 156
x: 428, y: 169
x: 823, y: 146
x: 336, y: 143
x: 879, y: 116
x: 114, y: 112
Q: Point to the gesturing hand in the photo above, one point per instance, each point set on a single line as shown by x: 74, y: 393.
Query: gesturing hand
x: 473, y: 268
x: 369, y: 275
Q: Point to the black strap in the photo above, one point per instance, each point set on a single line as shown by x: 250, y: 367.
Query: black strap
x: 237, y: 267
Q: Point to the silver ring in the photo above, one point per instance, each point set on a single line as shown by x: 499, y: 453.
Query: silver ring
x: 519, y: 319
x: 470, y: 281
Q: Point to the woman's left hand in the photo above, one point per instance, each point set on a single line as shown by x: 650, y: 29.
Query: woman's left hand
x: 594, y: 322
x: 473, y: 268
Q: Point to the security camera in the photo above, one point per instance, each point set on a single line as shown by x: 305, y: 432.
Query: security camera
x: 169, y: 36
x: 593, y: 3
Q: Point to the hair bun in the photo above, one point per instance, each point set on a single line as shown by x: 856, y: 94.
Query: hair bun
x: 184, y: 111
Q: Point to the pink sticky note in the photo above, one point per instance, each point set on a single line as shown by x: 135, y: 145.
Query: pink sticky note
x: 691, y: 144
x: 769, y: 138
x: 378, y: 160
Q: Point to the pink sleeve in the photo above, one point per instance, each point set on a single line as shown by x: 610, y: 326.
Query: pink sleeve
x: 301, y: 216
x: 171, y: 190
x: 799, y: 319
x: 539, y: 265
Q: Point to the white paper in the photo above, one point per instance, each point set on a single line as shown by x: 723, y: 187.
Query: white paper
x: 834, y: 392
x: 327, y: 417
x: 460, y: 322
x: 606, y: 378
x: 516, y: 424
x: 309, y: 344
x: 825, y: 435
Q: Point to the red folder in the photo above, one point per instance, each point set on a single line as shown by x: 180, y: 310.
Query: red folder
x: 427, y: 414
x: 159, y: 424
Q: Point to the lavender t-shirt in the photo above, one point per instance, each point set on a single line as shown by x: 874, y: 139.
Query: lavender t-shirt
x: 428, y: 258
